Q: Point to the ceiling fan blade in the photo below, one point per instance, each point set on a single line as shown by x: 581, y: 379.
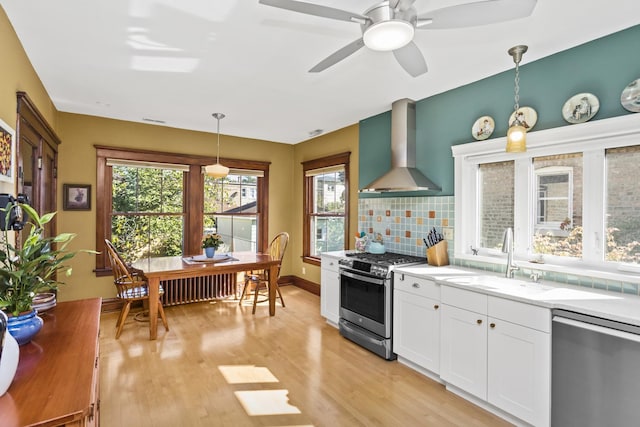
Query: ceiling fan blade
x: 316, y: 10
x: 411, y: 59
x: 338, y: 55
x: 476, y: 14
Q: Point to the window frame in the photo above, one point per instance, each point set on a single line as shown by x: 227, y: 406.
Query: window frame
x: 591, y: 139
x: 192, y: 195
x: 341, y: 159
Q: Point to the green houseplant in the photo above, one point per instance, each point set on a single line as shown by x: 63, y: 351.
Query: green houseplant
x: 31, y: 267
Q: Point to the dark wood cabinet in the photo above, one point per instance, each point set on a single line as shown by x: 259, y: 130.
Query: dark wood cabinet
x: 57, y: 382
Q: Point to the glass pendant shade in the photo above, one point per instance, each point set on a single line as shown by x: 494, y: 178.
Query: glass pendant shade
x: 516, y: 139
x: 217, y: 170
x: 388, y: 35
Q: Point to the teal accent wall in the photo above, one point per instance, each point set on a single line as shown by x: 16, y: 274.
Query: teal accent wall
x: 603, y: 67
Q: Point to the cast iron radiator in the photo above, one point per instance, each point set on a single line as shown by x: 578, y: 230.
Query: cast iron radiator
x: 195, y: 289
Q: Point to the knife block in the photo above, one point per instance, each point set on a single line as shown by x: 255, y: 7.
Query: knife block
x: 437, y: 254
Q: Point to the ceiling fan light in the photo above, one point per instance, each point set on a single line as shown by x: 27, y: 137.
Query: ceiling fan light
x: 216, y: 171
x: 388, y: 35
x: 516, y: 139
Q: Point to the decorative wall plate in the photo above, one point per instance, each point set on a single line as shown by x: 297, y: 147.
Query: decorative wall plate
x: 580, y: 108
x: 527, y: 116
x: 483, y: 128
x: 630, y: 98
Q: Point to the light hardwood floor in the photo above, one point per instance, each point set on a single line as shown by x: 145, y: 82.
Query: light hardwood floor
x: 188, y: 376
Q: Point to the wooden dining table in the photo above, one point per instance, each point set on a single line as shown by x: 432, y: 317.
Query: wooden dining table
x: 176, y: 267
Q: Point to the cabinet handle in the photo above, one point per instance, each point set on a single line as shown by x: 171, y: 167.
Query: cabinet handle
x: 416, y: 285
x: 479, y: 321
x: 492, y: 325
x: 436, y: 306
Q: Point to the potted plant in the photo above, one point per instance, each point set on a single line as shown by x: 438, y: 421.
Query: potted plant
x: 29, y: 268
x: 210, y: 243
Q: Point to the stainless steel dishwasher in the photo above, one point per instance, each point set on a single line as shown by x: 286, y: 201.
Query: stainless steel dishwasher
x: 595, y: 378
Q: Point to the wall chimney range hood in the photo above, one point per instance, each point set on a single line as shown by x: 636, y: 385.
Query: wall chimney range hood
x: 403, y: 175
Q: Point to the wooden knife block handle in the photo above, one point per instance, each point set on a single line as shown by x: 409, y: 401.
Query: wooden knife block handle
x: 437, y: 254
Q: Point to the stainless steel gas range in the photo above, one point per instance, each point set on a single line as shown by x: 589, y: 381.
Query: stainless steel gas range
x: 366, y: 295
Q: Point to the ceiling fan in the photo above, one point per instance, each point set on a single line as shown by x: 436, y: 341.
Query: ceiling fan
x: 390, y: 25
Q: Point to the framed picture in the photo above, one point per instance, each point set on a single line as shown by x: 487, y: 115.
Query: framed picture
x: 7, y: 153
x: 76, y: 197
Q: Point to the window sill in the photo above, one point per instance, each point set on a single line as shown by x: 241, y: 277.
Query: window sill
x: 311, y: 260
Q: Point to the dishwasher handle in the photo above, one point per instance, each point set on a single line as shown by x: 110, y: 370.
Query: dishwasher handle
x: 599, y: 329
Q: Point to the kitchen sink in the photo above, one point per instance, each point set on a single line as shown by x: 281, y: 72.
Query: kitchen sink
x: 526, y: 289
x: 501, y: 284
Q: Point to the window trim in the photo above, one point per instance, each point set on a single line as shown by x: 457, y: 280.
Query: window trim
x: 329, y: 162
x: 591, y: 139
x: 193, y: 198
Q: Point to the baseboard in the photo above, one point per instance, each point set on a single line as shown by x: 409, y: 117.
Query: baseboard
x: 307, y: 285
x: 114, y: 304
x: 111, y: 304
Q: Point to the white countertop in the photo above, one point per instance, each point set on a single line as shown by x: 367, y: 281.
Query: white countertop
x: 609, y: 305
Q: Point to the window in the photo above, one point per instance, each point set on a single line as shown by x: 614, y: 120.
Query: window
x: 326, y: 205
x: 557, y: 228
x: 575, y: 201
x: 231, y: 210
x: 496, y: 202
x: 160, y: 204
x: 622, y: 205
x: 147, y: 210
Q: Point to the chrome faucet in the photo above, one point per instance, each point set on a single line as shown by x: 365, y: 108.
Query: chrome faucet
x: 507, y: 248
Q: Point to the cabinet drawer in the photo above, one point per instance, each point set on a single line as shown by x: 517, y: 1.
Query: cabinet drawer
x: 467, y: 300
x: 329, y: 263
x: 416, y: 285
x: 520, y: 313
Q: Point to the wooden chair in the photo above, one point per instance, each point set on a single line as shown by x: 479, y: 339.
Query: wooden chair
x: 260, y: 280
x: 131, y: 284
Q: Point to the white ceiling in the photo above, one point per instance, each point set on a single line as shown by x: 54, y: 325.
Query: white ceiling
x: 181, y: 60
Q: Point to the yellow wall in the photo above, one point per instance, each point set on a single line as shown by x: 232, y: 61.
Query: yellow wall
x: 340, y: 141
x: 17, y: 74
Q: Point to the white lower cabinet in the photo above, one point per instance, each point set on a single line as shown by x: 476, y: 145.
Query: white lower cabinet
x: 519, y: 360
x: 416, y: 321
x: 498, y: 350
x: 330, y: 289
x: 463, y: 351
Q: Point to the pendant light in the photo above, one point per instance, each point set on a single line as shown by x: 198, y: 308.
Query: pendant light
x: 517, y: 134
x: 217, y: 170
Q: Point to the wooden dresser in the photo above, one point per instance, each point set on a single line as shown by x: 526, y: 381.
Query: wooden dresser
x: 57, y: 382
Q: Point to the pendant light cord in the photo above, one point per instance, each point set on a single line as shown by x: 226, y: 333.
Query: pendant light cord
x: 218, y: 116
x: 516, y: 107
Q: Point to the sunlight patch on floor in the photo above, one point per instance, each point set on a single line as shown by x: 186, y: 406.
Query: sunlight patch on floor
x: 266, y: 402
x: 246, y: 374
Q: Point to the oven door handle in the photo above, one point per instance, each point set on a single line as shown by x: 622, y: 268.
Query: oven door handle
x: 368, y: 279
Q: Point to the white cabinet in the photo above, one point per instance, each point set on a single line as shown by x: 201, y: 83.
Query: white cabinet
x: 416, y: 320
x: 498, y: 350
x: 330, y: 289
x: 519, y: 355
x: 463, y: 351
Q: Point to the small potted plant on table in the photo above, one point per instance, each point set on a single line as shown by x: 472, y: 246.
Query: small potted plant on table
x: 210, y: 243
